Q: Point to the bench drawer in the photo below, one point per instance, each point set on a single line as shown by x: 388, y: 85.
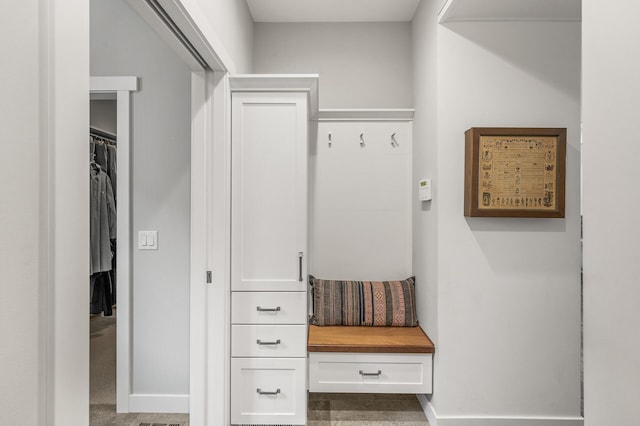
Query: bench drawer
x: 268, y: 391
x: 269, y: 307
x: 269, y: 341
x: 370, y: 373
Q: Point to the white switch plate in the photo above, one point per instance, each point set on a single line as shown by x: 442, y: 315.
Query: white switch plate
x: 147, y: 240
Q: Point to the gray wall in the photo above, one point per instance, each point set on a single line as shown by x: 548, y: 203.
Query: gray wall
x: 102, y: 115
x: 232, y: 24
x: 611, y: 255
x: 361, y: 65
x: 505, y: 287
x: 123, y: 44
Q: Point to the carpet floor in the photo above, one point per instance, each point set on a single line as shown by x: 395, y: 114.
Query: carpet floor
x: 325, y: 409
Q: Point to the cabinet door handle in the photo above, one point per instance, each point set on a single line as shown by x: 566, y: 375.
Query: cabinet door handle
x: 276, y: 309
x: 362, y: 373
x: 261, y: 343
x: 300, y: 266
x: 261, y: 392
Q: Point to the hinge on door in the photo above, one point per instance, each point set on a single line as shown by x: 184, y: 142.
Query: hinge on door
x: 209, y: 277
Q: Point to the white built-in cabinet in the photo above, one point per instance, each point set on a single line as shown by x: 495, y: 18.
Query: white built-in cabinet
x: 269, y: 248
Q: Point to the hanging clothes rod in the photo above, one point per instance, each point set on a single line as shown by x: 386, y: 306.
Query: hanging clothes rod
x: 102, y: 134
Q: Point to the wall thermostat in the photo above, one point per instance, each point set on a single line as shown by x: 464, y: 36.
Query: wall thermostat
x: 424, y: 189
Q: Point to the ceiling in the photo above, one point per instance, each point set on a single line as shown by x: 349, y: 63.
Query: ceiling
x: 511, y: 10
x: 403, y: 10
x: 332, y: 10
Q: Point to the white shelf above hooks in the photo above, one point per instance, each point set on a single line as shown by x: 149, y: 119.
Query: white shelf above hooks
x: 404, y: 114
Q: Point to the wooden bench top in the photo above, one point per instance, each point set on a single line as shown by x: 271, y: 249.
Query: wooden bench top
x: 369, y: 339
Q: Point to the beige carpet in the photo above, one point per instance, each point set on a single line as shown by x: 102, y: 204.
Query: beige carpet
x: 102, y: 374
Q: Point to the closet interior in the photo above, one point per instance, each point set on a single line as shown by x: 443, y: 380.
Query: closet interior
x: 103, y: 225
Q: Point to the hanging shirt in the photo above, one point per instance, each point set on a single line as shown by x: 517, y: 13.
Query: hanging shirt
x: 102, y: 220
x: 101, y: 156
x: 112, y: 171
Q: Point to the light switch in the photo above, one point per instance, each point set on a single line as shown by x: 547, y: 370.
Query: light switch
x: 142, y: 240
x: 148, y: 240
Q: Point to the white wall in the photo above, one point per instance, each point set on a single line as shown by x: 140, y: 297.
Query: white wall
x: 361, y: 202
x: 20, y: 216
x: 611, y: 89
x: 508, y: 290
x: 44, y: 224
x: 361, y: 65
x: 232, y: 24
x: 123, y: 44
x: 425, y: 165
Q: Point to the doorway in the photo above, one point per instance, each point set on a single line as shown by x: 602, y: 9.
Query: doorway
x: 153, y: 198
x: 169, y: 356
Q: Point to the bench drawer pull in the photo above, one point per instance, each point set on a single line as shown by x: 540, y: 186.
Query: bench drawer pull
x: 261, y: 392
x: 260, y: 342
x: 362, y: 373
x: 259, y: 309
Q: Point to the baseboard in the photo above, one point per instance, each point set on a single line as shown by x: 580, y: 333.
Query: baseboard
x: 145, y: 403
x: 435, y: 420
x: 428, y: 410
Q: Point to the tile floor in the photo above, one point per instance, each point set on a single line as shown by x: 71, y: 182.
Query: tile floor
x: 328, y: 409
x: 333, y: 409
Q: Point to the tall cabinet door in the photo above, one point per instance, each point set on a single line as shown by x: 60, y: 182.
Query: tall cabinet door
x: 269, y: 187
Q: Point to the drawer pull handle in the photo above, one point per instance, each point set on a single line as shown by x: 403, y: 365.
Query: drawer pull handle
x: 261, y: 343
x: 362, y: 373
x: 261, y: 392
x: 259, y: 309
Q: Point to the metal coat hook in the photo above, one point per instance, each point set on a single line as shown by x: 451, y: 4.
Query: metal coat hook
x: 361, y: 139
x: 329, y: 139
x: 394, y: 142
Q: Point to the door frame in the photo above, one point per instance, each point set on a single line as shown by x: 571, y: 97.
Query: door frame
x: 208, y: 304
x: 210, y: 242
x: 122, y: 87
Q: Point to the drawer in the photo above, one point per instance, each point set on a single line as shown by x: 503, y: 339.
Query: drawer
x: 270, y: 341
x: 370, y: 373
x: 269, y: 307
x: 268, y: 391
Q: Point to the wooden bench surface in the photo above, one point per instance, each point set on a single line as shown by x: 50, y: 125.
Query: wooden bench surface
x: 369, y: 339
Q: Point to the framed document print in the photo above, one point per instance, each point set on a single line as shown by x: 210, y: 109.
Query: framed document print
x: 514, y: 172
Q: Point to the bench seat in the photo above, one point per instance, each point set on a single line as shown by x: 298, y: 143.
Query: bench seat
x: 347, y: 359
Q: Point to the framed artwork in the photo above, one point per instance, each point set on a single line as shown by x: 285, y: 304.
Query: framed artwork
x: 515, y: 172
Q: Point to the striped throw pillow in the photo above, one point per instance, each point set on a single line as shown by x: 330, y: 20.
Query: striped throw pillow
x: 365, y: 303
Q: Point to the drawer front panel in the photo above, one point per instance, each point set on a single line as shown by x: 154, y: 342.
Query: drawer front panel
x: 269, y: 307
x: 269, y: 341
x: 268, y: 391
x: 370, y: 373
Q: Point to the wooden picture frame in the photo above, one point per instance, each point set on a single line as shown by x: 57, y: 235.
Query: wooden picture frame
x: 515, y: 172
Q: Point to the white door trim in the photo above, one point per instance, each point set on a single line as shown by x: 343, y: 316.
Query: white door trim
x: 210, y: 239
x: 122, y: 87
